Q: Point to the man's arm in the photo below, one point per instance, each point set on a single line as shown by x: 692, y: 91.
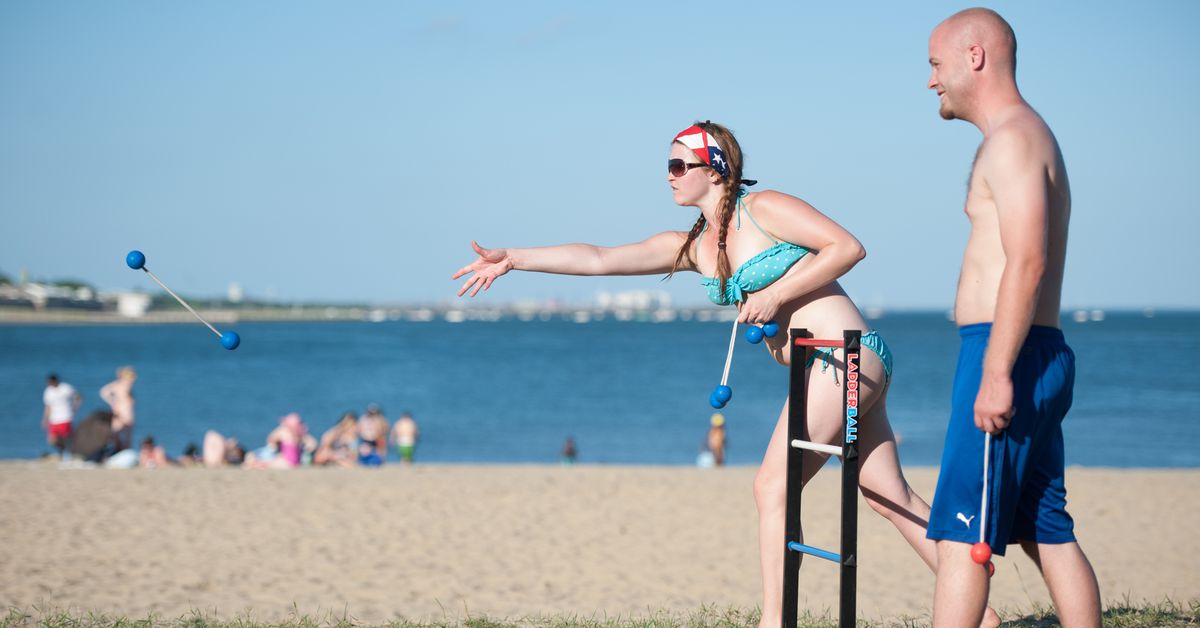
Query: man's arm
x: 1019, y: 184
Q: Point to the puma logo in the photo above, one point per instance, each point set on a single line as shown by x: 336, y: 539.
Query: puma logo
x: 963, y: 518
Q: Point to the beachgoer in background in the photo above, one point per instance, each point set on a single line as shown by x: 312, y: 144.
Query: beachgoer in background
x: 220, y: 451
x: 704, y: 457
x: 777, y: 258
x: 1015, y: 371
x: 372, y: 436
x: 286, y: 446
x: 191, y: 456
x: 93, y: 441
x: 60, y: 403
x: 119, y: 396
x: 716, y: 438
x: 405, y: 435
x: 569, y: 453
x: 152, y: 455
x: 337, y: 445
x: 291, y: 439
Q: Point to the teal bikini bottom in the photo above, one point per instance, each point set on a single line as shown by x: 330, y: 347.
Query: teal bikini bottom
x: 871, y: 340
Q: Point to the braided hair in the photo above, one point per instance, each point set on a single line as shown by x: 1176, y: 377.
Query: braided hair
x: 731, y: 185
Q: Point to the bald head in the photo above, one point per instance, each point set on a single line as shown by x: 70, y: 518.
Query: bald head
x: 973, y: 62
x: 987, y: 30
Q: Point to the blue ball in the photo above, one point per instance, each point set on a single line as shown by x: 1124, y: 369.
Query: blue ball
x: 723, y: 394
x: 135, y: 259
x: 230, y: 340
x: 754, y: 335
x: 770, y: 328
x: 714, y: 402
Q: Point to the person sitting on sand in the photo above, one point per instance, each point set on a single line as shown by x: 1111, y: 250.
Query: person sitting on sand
x: 191, y: 456
x: 152, y: 455
x: 337, y: 445
x: 286, y: 445
x: 93, y: 441
x: 372, y: 436
x: 220, y: 451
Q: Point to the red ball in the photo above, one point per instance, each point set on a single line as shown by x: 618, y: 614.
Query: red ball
x: 981, y: 553
x: 991, y: 569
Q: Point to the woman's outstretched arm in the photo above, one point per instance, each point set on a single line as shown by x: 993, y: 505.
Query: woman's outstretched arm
x: 650, y: 256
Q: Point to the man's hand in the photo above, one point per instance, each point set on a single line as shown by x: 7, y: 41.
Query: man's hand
x: 994, y: 403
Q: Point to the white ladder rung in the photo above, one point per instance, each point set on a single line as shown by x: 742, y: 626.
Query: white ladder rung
x: 832, y: 450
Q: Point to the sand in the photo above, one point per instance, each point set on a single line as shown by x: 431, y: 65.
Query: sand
x: 448, y: 542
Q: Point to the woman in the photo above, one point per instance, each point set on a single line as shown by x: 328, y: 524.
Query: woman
x: 337, y: 445
x: 777, y: 258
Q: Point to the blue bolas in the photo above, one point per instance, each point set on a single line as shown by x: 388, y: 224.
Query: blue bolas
x: 230, y: 340
x: 720, y: 396
x: 770, y: 328
x: 754, y: 335
x: 135, y: 260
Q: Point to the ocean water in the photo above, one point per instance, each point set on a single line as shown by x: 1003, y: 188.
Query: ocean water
x: 511, y: 391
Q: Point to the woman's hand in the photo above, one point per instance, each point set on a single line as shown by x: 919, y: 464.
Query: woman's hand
x: 491, y: 264
x: 759, y: 307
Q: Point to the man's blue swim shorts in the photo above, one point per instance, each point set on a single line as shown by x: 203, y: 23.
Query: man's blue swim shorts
x: 1027, y: 498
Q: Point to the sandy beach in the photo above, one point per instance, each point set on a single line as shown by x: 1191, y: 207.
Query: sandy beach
x: 442, y: 542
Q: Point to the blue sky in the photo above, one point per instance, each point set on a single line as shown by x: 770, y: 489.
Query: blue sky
x: 351, y: 151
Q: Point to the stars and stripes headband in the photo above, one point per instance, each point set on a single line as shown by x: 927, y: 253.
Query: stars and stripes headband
x: 706, y: 148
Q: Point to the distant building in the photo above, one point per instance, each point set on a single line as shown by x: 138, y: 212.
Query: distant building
x: 634, y: 300
x: 132, y: 304
x: 12, y: 296
x: 45, y: 296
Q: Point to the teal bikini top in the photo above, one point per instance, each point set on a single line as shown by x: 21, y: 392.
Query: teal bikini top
x: 759, y: 271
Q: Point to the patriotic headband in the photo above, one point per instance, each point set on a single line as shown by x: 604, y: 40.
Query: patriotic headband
x: 706, y: 148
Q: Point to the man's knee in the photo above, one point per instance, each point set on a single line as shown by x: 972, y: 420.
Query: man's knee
x: 950, y: 553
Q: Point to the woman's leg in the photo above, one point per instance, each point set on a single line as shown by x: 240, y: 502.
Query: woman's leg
x: 883, y: 485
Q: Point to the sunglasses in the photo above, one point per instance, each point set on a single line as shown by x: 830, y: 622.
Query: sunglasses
x: 679, y: 167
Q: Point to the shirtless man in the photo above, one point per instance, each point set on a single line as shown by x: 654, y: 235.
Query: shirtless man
x: 119, y: 396
x: 716, y: 438
x: 1015, y: 371
x: 405, y: 434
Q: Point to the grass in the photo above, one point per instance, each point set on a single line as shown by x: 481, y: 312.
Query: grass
x: 1124, y: 614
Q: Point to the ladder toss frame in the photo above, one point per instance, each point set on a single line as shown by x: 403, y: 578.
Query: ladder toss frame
x: 797, y: 437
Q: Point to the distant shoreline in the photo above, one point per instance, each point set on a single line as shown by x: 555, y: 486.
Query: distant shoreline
x: 442, y: 313
x: 448, y: 464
